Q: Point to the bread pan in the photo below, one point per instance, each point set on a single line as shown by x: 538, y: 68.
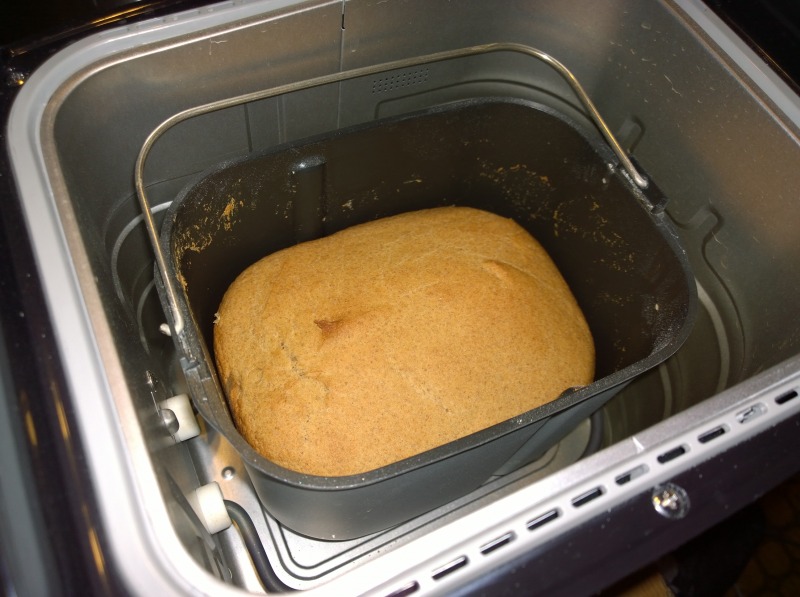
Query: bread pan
x: 609, y: 238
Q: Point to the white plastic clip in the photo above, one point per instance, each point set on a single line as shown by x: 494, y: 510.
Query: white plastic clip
x: 178, y: 416
x: 209, y: 505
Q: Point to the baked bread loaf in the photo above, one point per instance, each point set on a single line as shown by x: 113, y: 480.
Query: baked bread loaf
x: 347, y: 353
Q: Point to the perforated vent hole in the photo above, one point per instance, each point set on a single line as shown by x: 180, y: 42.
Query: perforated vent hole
x: 542, y: 520
x: 711, y: 435
x: 751, y: 413
x: 587, y: 496
x: 496, y: 544
x: 449, y: 568
x: 672, y: 454
x: 405, y: 590
x: 400, y: 80
x: 784, y: 398
x: 631, y: 474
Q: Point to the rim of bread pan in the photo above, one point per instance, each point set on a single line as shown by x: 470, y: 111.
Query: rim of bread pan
x: 209, y: 398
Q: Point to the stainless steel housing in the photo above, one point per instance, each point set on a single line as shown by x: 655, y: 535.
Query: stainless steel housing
x: 700, y: 113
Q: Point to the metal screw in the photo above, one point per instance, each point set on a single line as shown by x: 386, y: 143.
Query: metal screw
x: 671, y: 501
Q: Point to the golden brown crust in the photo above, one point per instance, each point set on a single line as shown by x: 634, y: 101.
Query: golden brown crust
x: 344, y: 354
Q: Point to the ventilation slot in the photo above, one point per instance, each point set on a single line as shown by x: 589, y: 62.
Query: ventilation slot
x: 631, y: 475
x: 587, y: 497
x: 542, y: 520
x: 408, y: 589
x: 784, y: 398
x: 708, y: 436
x: 443, y: 571
x: 398, y: 81
x: 751, y: 413
x: 497, y: 543
x: 672, y: 454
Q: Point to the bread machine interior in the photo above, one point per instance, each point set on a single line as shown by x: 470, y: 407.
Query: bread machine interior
x: 632, y: 60
x: 609, y: 239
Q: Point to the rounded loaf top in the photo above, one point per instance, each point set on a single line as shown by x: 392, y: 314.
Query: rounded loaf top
x: 347, y: 353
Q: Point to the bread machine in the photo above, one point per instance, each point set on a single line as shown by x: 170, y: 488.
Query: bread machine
x: 158, y: 502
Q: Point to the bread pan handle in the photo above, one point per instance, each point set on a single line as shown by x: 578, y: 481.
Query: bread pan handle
x: 169, y: 282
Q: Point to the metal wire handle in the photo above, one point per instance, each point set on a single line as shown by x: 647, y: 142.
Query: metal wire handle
x: 177, y: 318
